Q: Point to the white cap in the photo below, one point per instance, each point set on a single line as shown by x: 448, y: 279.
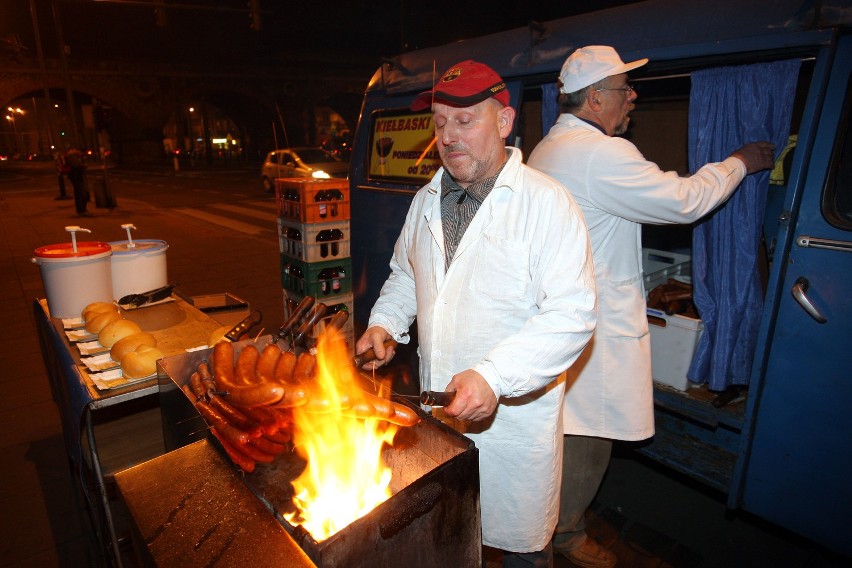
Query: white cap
x: 590, y: 64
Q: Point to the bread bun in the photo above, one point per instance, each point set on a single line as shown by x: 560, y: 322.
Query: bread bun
x: 100, y: 321
x: 96, y: 308
x: 218, y: 335
x: 127, y: 344
x: 140, y: 363
x: 118, y: 329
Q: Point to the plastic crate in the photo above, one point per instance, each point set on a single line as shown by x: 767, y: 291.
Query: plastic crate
x: 305, y: 245
x: 673, y: 337
x: 307, y: 209
x: 660, y: 265
x: 307, y: 278
x: 673, y: 342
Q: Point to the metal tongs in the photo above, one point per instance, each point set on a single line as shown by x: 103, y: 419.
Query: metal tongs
x: 144, y: 298
x: 426, y: 398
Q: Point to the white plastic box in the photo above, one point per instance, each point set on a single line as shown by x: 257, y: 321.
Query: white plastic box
x: 673, y: 337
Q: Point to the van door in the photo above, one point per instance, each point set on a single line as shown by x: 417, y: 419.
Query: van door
x: 800, y: 465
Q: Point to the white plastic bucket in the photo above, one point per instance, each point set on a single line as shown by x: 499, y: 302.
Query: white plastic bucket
x: 138, y: 268
x: 74, y: 279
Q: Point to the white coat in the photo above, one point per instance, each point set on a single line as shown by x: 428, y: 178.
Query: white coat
x: 517, y: 305
x: 609, y: 392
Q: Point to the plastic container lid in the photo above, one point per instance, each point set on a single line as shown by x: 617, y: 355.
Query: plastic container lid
x: 66, y: 250
x: 141, y: 246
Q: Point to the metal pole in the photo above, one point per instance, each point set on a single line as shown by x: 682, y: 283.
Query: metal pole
x: 42, y: 68
x: 69, y: 95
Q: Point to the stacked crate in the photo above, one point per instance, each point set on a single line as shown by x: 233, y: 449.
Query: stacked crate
x: 314, y: 240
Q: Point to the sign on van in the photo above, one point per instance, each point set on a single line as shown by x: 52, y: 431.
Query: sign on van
x: 403, y: 147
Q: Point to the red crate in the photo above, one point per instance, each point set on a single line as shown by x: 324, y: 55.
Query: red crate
x: 306, y: 209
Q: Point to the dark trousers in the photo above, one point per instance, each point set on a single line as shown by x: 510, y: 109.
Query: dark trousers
x: 81, y: 194
x: 61, y: 178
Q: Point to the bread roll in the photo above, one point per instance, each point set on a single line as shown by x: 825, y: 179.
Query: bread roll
x: 218, y: 335
x: 100, y: 321
x: 140, y: 363
x: 118, y: 329
x: 127, y: 344
x: 96, y: 308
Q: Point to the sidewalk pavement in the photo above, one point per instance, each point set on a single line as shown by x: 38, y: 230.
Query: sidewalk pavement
x: 44, y: 522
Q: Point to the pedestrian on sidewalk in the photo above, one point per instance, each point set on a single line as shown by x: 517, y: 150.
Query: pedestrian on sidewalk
x: 77, y: 177
x: 62, y: 169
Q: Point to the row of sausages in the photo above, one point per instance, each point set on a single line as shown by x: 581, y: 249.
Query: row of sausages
x: 247, y: 400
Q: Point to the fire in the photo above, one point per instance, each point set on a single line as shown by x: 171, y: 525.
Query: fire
x: 345, y: 477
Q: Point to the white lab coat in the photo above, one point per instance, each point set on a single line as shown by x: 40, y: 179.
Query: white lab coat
x: 517, y: 304
x: 609, y: 392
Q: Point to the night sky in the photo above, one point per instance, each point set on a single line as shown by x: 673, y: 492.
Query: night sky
x: 210, y: 32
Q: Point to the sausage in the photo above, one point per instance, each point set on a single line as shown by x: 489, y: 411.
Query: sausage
x: 284, y: 417
x: 284, y: 367
x: 215, y: 419
x: 319, y: 402
x: 235, y: 417
x: 189, y: 394
x: 198, y: 388
x: 240, y: 459
x: 267, y: 362
x: 267, y: 421
x: 206, y: 377
x: 255, y: 395
x: 246, y: 369
x: 280, y: 437
x: 240, y: 394
x: 268, y: 446
x: 223, y: 364
x: 294, y: 396
x: 304, y: 368
x: 257, y: 454
x: 391, y: 411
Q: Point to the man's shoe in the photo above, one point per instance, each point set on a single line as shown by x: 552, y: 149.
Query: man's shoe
x: 590, y: 555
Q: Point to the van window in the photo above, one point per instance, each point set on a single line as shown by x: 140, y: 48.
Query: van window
x: 837, y: 197
x: 402, y: 147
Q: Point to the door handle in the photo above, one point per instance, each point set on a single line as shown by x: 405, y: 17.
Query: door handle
x: 799, y: 292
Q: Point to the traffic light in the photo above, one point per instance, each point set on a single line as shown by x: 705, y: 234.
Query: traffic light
x: 254, y: 14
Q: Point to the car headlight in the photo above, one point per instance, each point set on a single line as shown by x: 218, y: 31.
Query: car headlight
x: 319, y: 174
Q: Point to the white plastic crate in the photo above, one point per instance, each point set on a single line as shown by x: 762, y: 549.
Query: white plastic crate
x: 673, y: 342
x: 308, y: 248
x: 660, y: 265
x: 673, y: 337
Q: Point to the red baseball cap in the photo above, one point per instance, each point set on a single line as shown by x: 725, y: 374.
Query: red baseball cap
x: 464, y: 84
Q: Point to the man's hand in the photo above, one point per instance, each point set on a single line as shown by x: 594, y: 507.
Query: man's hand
x: 756, y: 156
x: 374, y: 338
x: 474, y: 399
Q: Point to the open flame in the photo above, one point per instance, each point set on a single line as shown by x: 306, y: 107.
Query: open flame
x: 345, y: 477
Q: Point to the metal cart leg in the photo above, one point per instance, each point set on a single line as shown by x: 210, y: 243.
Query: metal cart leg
x: 99, y: 478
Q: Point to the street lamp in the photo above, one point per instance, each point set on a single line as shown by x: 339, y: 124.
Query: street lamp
x: 11, y: 118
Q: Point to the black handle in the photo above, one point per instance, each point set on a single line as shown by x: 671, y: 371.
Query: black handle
x: 248, y: 322
x: 298, y: 313
x: 437, y: 398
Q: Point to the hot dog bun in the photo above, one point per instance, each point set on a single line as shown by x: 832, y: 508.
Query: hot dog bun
x: 96, y: 308
x: 101, y: 320
x: 140, y: 363
x: 128, y: 344
x: 115, y: 330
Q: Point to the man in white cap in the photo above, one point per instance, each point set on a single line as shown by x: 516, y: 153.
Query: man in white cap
x: 494, y: 264
x: 609, y: 394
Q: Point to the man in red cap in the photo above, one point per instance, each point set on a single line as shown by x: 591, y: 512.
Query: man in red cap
x: 494, y: 264
x: 610, y: 390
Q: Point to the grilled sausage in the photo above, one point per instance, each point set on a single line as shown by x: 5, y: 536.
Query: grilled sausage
x: 216, y: 420
x: 235, y: 417
x: 267, y: 362
x: 246, y: 369
x: 268, y: 446
x: 266, y: 420
x: 198, y: 387
x: 304, y: 370
x: 240, y: 459
x: 223, y: 364
x: 284, y: 367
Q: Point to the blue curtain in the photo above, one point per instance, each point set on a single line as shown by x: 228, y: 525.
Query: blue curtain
x: 549, y: 107
x: 728, y: 108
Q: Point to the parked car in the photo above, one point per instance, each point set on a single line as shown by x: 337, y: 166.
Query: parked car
x: 301, y: 162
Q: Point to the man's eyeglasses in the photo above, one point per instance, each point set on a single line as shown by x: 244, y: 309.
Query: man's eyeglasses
x: 625, y: 89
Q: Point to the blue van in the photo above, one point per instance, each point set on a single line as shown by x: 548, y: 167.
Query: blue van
x: 783, y: 453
